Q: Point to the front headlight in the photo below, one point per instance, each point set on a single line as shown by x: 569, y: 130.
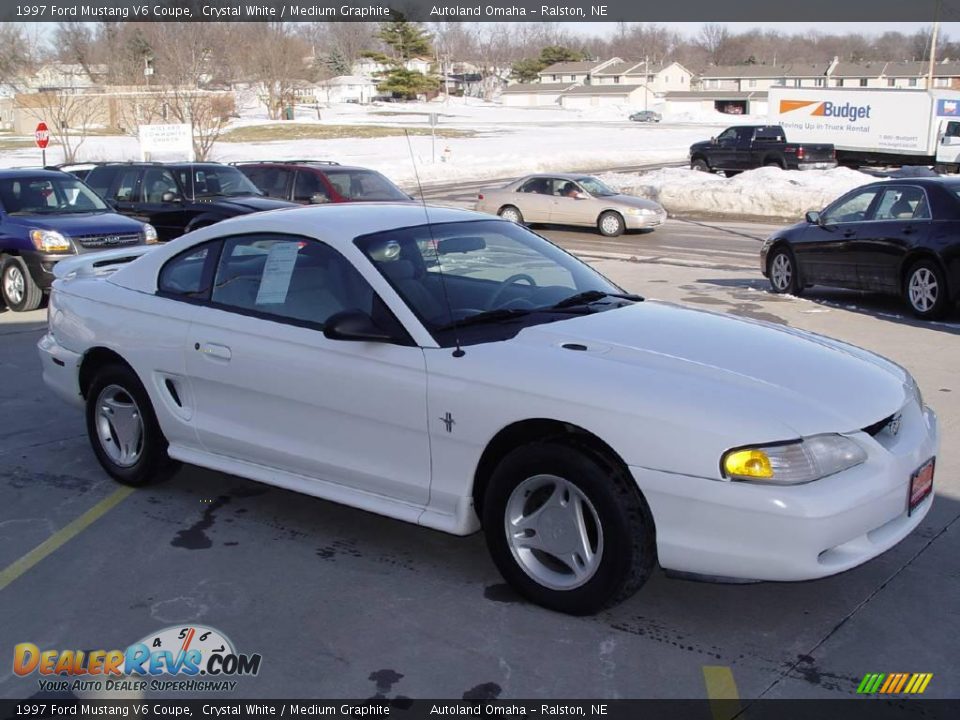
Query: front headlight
x: 149, y: 234
x: 640, y: 211
x: 50, y: 241
x: 793, y: 463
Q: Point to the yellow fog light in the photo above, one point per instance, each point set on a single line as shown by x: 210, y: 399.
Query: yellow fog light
x: 747, y: 464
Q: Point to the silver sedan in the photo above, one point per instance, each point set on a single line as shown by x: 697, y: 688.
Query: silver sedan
x: 568, y: 199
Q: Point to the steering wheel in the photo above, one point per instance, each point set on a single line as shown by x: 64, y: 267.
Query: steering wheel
x: 497, y: 294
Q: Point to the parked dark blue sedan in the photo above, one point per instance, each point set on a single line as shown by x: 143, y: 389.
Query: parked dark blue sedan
x: 900, y: 237
x: 46, y: 215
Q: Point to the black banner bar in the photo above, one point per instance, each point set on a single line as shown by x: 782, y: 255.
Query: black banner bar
x: 864, y: 11
x: 406, y: 709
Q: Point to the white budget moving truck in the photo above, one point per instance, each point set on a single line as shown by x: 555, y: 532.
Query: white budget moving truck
x: 874, y: 127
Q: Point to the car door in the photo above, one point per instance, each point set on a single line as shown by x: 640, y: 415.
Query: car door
x: 576, y: 208
x: 272, y: 390
x: 124, y: 193
x: 900, y: 221
x: 535, y: 199
x: 723, y: 155
x: 948, y: 151
x: 826, y: 251
x: 160, y: 200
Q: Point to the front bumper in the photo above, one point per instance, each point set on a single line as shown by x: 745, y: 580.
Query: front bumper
x: 40, y: 265
x: 643, y: 222
x: 61, y: 369
x: 801, y: 532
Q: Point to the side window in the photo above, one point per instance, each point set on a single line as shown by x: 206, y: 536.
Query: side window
x: 540, y: 186
x: 728, y: 135
x: 952, y: 129
x: 306, y: 186
x: 127, y: 185
x: 288, y: 278
x: 272, y: 182
x: 156, y: 183
x: 100, y: 179
x: 189, y: 274
x: 902, y: 204
x: 851, y: 209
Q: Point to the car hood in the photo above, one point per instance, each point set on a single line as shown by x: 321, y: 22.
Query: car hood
x: 79, y: 224
x: 776, y: 376
x: 248, y: 203
x: 632, y: 201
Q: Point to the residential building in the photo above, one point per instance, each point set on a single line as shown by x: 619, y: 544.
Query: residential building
x: 534, y: 94
x: 574, y: 72
x: 346, y: 89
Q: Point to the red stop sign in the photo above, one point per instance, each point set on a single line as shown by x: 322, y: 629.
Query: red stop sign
x: 42, y: 135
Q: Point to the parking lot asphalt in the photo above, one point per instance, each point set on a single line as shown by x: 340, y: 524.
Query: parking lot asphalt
x: 341, y: 603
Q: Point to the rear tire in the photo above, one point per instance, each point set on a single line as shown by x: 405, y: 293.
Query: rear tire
x: 925, y: 290
x: 610, y: 224
x: 783, y: 272
x: 568, y: 528
x: 123, y: 428
x: 511, y: 214
x: 20, y: 292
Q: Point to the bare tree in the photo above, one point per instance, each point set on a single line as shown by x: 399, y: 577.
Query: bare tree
x: 276, y: 61
x: 69, y: 116
x: 15, y: 55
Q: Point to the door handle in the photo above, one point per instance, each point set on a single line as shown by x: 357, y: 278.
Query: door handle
x: 908, y: 231
x: 212, y: 350
x: 849, y: 233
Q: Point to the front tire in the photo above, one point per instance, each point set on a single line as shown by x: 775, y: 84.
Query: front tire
x: 123, y: 428
x: 511, y: 214
x: 20, y: 292
x: 610, y: 224
x: 700, y: 165
x: 783, y: 272
x: 567, y: 528
x: 925, y: 290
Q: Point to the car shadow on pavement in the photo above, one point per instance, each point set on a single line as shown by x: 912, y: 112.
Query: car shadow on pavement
x: 878, y: 305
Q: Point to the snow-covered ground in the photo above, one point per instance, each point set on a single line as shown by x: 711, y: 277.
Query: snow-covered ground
x: 767, y: 192
x: 506, y: 142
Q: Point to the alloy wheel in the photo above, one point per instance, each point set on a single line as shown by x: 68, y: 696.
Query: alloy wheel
x: 119, y: 426
x: 781, y: 272
x: 924, y: 289
x: 553, y: 532
x: 14, y: 284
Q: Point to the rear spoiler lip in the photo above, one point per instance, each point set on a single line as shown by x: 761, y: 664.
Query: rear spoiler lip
x: 94, y: 263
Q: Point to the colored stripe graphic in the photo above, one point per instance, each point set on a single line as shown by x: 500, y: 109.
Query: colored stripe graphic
x: 790, y: 105
x: 894, y: 683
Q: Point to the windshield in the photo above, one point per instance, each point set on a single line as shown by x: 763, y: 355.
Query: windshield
x: 364, y: 185
x: 490, y: 270
x: 596, y: 188
x: 215, y: 181
x: 48, y: 196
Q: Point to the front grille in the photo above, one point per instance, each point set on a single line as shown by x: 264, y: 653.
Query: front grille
x: 877, y: 427
x: 107, y: 240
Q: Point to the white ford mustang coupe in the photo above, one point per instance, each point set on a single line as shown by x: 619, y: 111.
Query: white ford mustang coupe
x: 458, y: 371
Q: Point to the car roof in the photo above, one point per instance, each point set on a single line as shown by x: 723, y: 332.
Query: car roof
x: 15, y: 173
x: 321, y: 165
x: 560, y: 175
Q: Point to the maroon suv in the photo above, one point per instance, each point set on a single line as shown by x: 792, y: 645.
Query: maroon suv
x: 320, y: 181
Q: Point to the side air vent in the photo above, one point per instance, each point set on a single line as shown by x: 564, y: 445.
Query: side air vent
x: 574, y: 346
x: 172, y: 389
x: 877, y: 427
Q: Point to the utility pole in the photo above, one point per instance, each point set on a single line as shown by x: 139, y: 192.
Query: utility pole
x: 933, y: 44
x: 646, y: 81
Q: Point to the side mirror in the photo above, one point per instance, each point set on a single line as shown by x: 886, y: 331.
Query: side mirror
x: 713, y: 141
x: 355, y: 325
x: 319, y: 199
x: 170, y: 197
x: 813, y: 217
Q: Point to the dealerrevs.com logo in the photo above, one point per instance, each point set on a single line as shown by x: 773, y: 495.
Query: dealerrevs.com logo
x: 843, y: 111
x: 178, y: 658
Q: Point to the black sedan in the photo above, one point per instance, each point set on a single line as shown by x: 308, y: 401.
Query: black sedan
x: 899, y: 237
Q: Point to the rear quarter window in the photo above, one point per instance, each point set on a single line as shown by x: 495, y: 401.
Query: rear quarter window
x: 189, y: 275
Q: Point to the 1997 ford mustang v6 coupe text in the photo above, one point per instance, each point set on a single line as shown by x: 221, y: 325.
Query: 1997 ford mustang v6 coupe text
x: 458, y: 371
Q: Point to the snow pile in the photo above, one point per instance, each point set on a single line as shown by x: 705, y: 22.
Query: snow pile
x: 765, y: 192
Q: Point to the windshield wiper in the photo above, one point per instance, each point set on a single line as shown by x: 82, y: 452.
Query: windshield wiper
x: 592, y: 296
x: 488, y: 316
x: 500, y: 314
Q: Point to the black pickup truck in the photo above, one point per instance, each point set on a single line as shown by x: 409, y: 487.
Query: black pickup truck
x: 744, y: 147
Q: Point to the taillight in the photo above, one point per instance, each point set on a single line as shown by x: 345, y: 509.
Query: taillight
x: 800, y: 153
x: 479, y: 196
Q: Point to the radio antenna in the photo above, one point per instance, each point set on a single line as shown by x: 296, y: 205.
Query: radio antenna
x: 458, y: 352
